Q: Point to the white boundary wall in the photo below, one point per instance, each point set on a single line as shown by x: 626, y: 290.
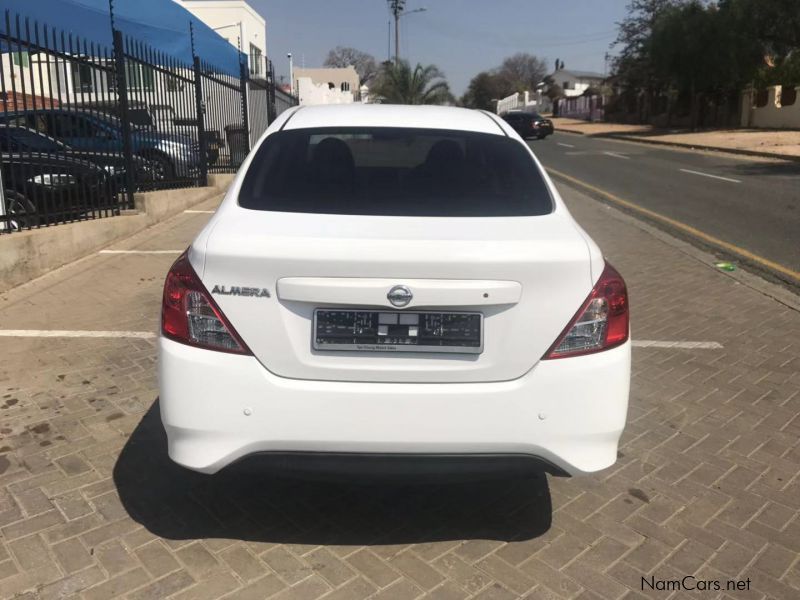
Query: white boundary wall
x: 774, y: 114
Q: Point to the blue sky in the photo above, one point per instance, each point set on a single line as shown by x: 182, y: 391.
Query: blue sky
x: 462, y: 37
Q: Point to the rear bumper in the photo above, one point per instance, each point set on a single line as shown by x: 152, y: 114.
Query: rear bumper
x: 217, y: 408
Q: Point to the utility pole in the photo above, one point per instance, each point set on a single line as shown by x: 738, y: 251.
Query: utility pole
x: 397, y: 7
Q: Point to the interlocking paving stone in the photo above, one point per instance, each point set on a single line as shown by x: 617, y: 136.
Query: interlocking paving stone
x: 707, y: 481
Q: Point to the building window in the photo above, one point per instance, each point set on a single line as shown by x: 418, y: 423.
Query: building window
x: 568, y: 85
x: 345, y: 87
x: 174, y: 84
x: 82, y: 78
x: 21, y: 59
x: 139, y: 77
x: 255, y: 60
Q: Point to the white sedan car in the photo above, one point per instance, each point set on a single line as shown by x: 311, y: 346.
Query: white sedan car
x: 394, y: 285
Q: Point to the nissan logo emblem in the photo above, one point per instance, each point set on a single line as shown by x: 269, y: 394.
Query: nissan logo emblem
x: 399, y: 295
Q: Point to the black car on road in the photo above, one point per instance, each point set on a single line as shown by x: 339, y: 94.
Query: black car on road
x: 529, y: 124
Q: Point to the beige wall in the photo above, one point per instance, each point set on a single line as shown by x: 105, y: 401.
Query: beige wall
x: 774, y: 114
x: 25, y: 255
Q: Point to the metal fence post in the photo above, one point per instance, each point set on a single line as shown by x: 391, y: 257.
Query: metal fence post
x: 272, y: 111
x: 122, y: 96
x: 243, y: 77
x: 200, y: 107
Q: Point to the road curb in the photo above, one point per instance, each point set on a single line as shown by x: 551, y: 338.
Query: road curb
x: 752, y: 275
x: 679, y: 145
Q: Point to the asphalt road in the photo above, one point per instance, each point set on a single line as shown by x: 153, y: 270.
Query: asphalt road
x: 750, y: 203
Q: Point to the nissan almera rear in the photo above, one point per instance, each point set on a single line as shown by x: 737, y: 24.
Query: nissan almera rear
x: 394, y: 282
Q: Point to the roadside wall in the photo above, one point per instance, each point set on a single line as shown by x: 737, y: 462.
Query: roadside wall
x: 527, y: 101
x: 778, y: 113
x: 588, y: 108
x: 25, y: 255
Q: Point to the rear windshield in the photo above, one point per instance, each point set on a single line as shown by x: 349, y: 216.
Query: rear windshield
x: 394, y: 171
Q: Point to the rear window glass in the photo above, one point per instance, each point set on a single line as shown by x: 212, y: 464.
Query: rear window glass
x: 394, y: 171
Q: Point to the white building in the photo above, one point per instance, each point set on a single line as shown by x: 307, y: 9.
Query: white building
x: 237, y: 22
x: 328, y: 85
x: 574, y: 83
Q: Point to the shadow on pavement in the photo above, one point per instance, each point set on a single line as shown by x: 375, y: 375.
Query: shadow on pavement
x: 244, y: 502
x: 766, y: 169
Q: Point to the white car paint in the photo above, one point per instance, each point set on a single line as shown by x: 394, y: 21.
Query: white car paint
x: 527, y: 276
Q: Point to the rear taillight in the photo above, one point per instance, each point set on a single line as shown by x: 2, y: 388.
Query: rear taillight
x: 189, y: 315
x: 600, y: 324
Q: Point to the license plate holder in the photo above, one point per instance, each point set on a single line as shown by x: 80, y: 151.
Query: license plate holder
x: 369, y: 330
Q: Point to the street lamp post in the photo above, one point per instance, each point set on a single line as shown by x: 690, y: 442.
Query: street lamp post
x: 238, y: 24
x: 291, y: 73
x: 398, y: 10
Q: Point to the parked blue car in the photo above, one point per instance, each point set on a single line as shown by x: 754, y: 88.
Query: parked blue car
x: 172, y: 156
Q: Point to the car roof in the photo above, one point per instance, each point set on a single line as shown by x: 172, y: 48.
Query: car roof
x: 394, y: 115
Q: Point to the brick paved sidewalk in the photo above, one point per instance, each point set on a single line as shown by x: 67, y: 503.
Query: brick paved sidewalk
x: 770, y: 143
x: 706, y: 484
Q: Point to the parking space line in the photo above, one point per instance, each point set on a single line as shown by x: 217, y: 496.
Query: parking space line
x: 68, y: 333
x: 199, y: 212
x: 710, y: 175
x: 682, y: 345
x: 616, y: 155
x: 565, y: 145
x: 140, y: 251
x: 710, y: 239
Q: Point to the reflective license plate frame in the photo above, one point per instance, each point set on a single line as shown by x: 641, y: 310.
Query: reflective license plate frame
x: 391, y: 347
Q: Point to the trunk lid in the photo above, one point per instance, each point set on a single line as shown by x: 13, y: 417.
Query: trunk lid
x: 526, y: 275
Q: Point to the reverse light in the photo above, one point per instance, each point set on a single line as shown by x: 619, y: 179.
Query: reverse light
x: 190, y: 316
x: 601, y: 323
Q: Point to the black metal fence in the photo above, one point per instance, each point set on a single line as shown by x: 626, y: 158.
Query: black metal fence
x: 83, y: 126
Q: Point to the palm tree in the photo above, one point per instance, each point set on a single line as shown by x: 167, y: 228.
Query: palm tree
x: 399, y: 84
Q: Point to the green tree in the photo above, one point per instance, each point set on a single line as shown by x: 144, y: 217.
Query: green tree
x: 522, y: 72
x: 703, y: 53
x: 698, y: 55
x: 770, y: 30
x: 553, y: 90
x: 400, y: 84
x: 517, y: 73
x: 484, y: 88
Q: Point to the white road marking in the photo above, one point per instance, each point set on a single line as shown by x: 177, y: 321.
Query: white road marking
x: 683, y: 345
x: 140, y: 252
x: 199, y: 212
x: 615, y: 155
x: 67, y: 333
x: 565, y: 145
x: 710, y: 175
x: 577, y: 153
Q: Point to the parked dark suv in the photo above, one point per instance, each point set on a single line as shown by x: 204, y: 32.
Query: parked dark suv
x: 529, y: 124
x: 171, y: 155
